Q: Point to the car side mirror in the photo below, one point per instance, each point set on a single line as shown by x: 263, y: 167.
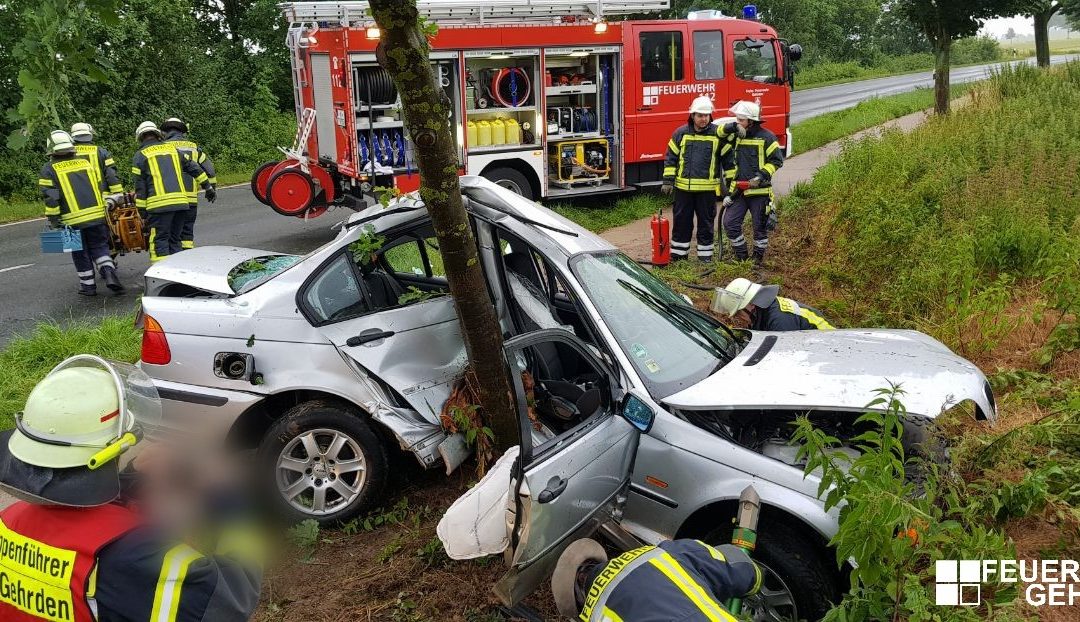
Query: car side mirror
x: 638, y: 413
x: 795, y: 52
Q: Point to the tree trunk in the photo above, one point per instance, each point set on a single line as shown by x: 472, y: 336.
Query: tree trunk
x: 403, y: 52
x: 942, y: 45
x: 1042, y: 34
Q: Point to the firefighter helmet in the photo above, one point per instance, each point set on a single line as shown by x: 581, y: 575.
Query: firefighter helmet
x: 740, y: 293
x: 702, y: 105
x: 146, y: 127
x: 174, y: 124
x: 82, y: 132
x: 746, y: 110
x: 60, y: 142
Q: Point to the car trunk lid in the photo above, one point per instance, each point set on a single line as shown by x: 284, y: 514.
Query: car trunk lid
x: 214, y: 270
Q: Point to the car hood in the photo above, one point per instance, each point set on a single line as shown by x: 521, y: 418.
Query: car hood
x: 204, y: 267
x: 840, y: 370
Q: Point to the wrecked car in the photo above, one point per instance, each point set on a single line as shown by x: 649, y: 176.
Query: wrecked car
x: 650, y: 416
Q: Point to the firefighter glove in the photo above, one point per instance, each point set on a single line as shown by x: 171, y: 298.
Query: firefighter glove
x: 666, y: 188
x: 54, y: 222
x: 211, y: 194
x: 770, y: 224
x: 755, y: 182
x: 727, y: 201
x: 741, y: 130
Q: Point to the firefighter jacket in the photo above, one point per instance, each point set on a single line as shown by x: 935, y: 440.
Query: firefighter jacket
x: 786, y: 314
x: 692, y: 162
x: 71, y: 191
x: 684, y: 580
x: 101, y: 564
x: 159, y: 168
x: 193, y: 151
x: 756, y: 154
x: 104, y: 166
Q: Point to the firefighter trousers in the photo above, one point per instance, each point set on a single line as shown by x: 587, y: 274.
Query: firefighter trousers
x: 733, y: 225
x: 165, y: 231
x: 187, y: 235
x: 95, y: 253
x: 687, y: 206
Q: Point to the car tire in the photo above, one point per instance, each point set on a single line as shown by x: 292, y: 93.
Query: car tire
x: 511, y: 179
x: 802, y: 566
x: 350, y: 468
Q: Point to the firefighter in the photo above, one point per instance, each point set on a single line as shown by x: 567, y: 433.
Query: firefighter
x: 691, y: 169
x: 675, y: 580
x: 99, y: 157
x: 757, y: 157
x: 160, y: 189
x: 71, y: 189
x: 72, y: 549
x: 176, y: 133
x: 760, y: 308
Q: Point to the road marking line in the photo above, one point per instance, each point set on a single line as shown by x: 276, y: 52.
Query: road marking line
x: 20, y: 222
x: 25, y: 265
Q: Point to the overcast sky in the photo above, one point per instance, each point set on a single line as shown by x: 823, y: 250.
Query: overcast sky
x: 998, y: 27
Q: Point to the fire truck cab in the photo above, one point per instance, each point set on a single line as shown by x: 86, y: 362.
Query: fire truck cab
x: 549, y: 98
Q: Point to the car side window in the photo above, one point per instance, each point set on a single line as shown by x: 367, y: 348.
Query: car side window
x: 661, y: 56
x: 708, y: 55
x: 755, y: 59
x: 417, y: 256
x: 565, y: 391
x: 334, y: 294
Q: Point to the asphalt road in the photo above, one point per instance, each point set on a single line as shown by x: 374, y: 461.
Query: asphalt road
x: 36, y: 287
x: 814, y: 102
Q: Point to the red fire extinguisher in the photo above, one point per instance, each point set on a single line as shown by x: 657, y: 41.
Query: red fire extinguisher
x: 661, y: 239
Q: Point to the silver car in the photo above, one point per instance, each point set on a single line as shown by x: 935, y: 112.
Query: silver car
x: 650, y: 417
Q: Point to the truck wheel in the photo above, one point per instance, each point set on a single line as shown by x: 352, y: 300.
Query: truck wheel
x: 511, y: 179
x: 322, y: 461
x: 798, y: 583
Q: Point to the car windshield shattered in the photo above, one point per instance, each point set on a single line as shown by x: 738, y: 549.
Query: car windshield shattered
x: 671, y: 344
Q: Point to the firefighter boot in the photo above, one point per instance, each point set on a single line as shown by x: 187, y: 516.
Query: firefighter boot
x: 740, y: 251
x: 87, y: 290
x: 759, y: 256
x: 111, y: 279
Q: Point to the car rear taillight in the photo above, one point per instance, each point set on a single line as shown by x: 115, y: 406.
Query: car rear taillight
x: 155, y: 347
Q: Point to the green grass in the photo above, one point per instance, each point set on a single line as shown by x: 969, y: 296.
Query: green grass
x: 603, y: 216
x: 11, y: 211
x: 26, y: 360
x: 817, y: 131
x: 1057, y: 46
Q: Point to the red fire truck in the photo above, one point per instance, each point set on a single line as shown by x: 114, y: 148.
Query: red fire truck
x: 549, y: 98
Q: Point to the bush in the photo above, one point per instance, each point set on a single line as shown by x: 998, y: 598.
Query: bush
x: 975, y: 50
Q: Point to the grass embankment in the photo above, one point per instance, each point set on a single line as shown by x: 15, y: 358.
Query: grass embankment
x: 968, y: 229
x: 1027, y: 48
x: 27, y: 359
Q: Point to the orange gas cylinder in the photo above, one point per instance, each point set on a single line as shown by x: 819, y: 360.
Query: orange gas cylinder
x: 661, y: 239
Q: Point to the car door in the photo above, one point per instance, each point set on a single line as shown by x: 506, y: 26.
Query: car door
x: 565, y: 486
x: 412, y: 344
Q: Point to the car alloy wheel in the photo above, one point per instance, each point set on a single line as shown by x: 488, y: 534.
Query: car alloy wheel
x: 321, y: 471
x: 774, y: 602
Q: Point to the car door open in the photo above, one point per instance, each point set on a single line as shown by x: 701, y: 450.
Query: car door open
x: 577, y: 452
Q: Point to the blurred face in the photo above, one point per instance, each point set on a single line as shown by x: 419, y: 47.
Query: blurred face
x: 701, y: 120
x: 743, y: 121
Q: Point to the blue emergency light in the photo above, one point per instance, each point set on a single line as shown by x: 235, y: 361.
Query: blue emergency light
x: 750, y: 12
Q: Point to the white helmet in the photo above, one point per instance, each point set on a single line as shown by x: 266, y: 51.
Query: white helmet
x: 702, y: 105
x: 60, y: 142
x: 83, y: 131
x: 741, y: 292
x: 174, y: 124
x: 746, y: 110
x: 146, y: 127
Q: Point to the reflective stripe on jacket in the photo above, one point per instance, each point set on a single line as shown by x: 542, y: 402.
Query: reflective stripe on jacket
x: 188, y: 147
x: 786, y: 314
x: 692, y: 161
x: 158, y: 168
x: 71, y: 191
x: 48, y: 559
x: 756, y: 154
x: 103, y: 164
x: 675, y: 580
